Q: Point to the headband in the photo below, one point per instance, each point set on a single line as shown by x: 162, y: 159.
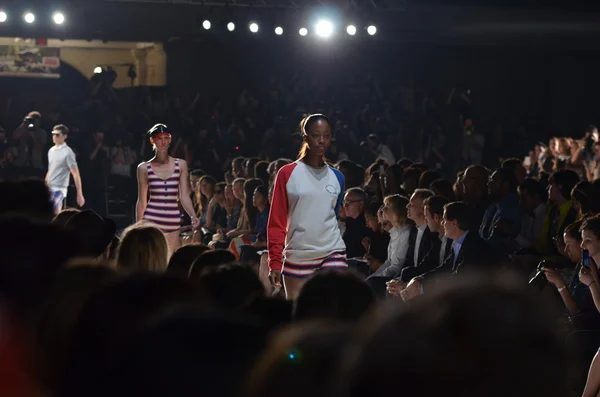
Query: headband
x: 310, y: 117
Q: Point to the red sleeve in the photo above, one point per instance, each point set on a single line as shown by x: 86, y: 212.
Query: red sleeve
x: 278, y: 218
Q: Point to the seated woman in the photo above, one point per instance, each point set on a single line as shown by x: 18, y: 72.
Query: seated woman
x: 378, y: 240
x: 248, y: 212
x: 216, y: 215
x: 248, y: 251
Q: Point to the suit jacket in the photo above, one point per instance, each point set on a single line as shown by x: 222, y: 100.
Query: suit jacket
x: 474, y: 255
x: 430, y: 261
x: 428, y: 242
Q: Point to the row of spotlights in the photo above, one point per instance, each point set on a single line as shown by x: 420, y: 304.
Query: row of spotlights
x: 29, y: 17
x: 322, y: 28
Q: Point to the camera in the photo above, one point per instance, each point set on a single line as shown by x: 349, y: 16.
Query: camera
x: 30, y: 123
x: 539, y: 281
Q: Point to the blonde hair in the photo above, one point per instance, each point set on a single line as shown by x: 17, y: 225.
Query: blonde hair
x: 398, y: 205
x: 143, y: 247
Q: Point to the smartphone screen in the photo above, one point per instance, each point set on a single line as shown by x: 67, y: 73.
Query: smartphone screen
x: 585, y: 258
x: 527, y: 161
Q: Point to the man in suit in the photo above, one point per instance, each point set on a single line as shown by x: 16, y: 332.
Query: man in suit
x: 420, y: 239
x: 354, y: 203
x: 420, y: 243
x: 502, y: 220
x: 437, y: 253
x: 468, y: 251
x: 422, y: 235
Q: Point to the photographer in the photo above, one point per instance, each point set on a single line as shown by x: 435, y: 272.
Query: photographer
x: 31, y: 143
x: 575, y: 295
x: 590, y: 234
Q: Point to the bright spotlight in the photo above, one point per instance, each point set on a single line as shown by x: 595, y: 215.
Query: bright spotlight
x: 206, y: 24
x: 58, y: 18
x: 253, y: 27
x: 97, y: 70
x: 278, y: 30
x: 29, y: 17
x: 351, y: 30
x: 231, y: 26
x: 3, y: 16
x: 324, y: 28
x: 303, y: 31
x: 372, y: 29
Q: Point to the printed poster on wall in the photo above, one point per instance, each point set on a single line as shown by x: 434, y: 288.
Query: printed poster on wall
x: 29, y: 61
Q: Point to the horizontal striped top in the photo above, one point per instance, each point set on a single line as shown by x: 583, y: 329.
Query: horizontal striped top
x: 162, y: 209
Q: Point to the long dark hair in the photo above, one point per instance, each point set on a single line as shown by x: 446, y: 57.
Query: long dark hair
x: 304, y: 125
x: 202, y: 199
x: 250, y: 211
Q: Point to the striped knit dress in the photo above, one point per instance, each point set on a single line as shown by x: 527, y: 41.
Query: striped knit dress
x: 162, y: 209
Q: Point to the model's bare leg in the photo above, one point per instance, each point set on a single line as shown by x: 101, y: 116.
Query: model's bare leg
x: 173, y: 241
x: 292, y: 287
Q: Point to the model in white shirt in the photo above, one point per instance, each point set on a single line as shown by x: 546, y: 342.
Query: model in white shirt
x: 61, y: 163
x: 303, y: 235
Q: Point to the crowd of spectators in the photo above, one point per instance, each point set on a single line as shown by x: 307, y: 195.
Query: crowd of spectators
x: 463, y: 277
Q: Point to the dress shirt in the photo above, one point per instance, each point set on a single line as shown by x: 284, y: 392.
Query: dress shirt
x: 443, y: 249
x: 456, y: 246
x: 420, y: 231
x: 397, y: 250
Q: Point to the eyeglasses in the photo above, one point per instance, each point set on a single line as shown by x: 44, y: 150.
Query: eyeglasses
x: 349, y: 202
x: 56, y: 134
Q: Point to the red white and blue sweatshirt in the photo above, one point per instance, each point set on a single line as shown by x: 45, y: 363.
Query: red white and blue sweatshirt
x: 303, y: 226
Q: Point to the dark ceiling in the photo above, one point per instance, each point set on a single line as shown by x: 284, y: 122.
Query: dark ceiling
x: 551, y: 23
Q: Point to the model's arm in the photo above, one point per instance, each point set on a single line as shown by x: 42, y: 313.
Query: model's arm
x: 77, y: 180
x: 278, y: 218
x: 185, y: 193
x: 72, y: 164
x: 142, y: 201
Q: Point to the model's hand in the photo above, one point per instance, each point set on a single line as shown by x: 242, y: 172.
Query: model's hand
x: 80, y: 200
x: 195, y: 222
x: 275, y: 278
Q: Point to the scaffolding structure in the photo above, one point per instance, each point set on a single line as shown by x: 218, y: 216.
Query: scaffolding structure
x: 383, y: 5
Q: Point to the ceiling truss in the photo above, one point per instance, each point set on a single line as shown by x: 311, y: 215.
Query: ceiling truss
x: 383, y: 5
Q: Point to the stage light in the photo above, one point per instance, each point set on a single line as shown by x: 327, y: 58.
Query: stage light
x: 29, y: 17
x: 278, y: 30
x: 97, y: 70
x: 372, y: 29
x: 231, y: 26
x: 3, y: 16
x: 206, y: 24
x: 58, y: 18
x: 253, y: 27
x: 351, y: 30
x: 303, y: 31
x: 324, y: 28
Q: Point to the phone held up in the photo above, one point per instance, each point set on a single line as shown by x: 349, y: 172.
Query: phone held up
x: 585, y: 261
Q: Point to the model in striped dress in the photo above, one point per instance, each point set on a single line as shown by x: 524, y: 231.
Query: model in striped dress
x: 166, y: 179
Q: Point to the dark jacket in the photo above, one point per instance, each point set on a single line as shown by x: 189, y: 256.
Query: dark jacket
x: 474, y: 255
x: 356, y: 231
x: 428, y: 242
x: 430, y: 261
